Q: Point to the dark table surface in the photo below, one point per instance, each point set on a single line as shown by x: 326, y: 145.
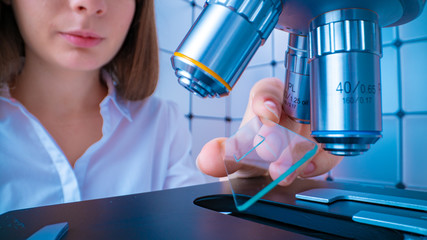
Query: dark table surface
x: 172, y: 214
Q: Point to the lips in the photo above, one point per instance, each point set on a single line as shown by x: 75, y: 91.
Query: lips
x: 82, y: 39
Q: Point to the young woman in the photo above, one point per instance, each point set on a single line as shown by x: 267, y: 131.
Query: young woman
x: 77, y: 120
x: 76, y: 117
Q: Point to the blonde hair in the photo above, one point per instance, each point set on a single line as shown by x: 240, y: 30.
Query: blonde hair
x: 135, y: 67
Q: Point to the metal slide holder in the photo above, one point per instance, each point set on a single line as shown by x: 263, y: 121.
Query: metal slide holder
x: 414, y: 221
x: 264, y: 148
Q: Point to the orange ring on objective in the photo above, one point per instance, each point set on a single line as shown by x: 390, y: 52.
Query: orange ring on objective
x: 205, y: 68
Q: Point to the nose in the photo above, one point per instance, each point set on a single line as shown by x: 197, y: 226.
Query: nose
x: 89, y: 7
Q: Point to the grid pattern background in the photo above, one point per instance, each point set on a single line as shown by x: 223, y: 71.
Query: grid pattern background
x: 399, y: 159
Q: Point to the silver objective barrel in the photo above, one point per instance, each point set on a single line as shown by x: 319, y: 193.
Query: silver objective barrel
x: 345, y: 92
x: 221, y: 42
x: 296, y: 98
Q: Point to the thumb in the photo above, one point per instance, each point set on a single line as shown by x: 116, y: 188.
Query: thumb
x: 211, y: 158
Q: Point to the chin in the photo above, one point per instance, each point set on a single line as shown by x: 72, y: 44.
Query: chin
x: 83, y: 62
x: 83, y: 66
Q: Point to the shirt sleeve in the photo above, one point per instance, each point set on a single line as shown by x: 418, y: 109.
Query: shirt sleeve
x: 182, y: 170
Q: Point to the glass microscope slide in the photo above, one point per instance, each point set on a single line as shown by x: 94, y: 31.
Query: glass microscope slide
x: 263, y: 148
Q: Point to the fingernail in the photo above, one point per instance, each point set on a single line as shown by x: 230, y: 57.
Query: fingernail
x: 288, y: 180
x: 271, y: 106
x: 309, y: 169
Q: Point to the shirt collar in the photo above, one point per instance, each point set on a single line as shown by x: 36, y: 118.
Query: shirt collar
x: 121, y: 104
x: 5, y: 91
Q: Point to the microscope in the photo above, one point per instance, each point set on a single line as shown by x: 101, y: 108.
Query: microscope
x: 332, y: 63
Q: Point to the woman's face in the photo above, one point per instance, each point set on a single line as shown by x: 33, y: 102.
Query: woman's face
x: 81, y: 35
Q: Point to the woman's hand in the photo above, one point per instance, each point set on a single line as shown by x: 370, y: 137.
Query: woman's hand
x: 265, y: 101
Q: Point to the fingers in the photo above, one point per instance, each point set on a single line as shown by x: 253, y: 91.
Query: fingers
x: 265, y: 100
x: 321, y: 163
x: 302, y: 129
x: 290, y: 159
x: 211, y: 158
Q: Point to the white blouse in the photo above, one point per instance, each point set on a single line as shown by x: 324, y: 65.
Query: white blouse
x: 145, y: 146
